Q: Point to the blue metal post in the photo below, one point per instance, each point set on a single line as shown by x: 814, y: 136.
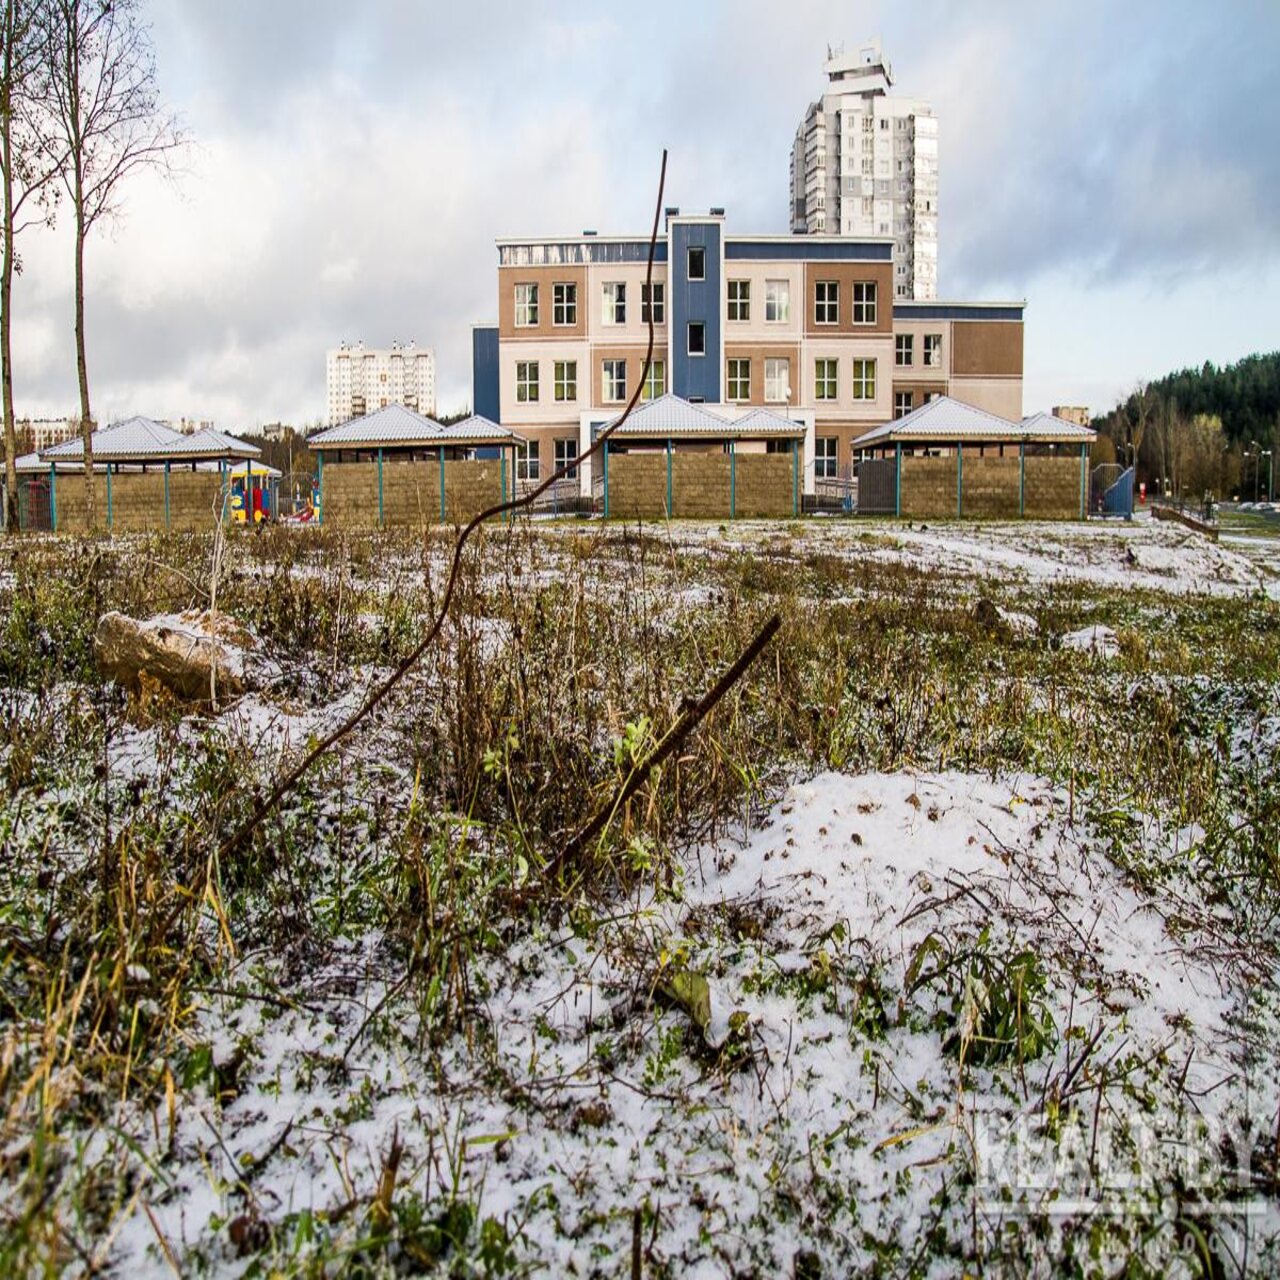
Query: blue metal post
x: 1084, y: 471
x: 320, y: 484
x: 53, y: 496
x: 166, y: 495
x: 670, y: 508
x: 605, y: 463
x: 733, y: 482
x: 959, y: 480
x: 379, y: 486
x: 222, y: 476
x: 109, y: 513
x: 442, y: 484
x: 897, y: 481
x: 1022, y: 478
x: 795, y: 477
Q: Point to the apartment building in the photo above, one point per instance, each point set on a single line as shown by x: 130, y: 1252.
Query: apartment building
x: 806, y: 327
x: 865, y: 163
x: 44, y: 433
x: 364, y: 379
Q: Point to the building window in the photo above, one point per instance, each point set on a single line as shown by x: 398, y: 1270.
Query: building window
x: 655, y: 383
x: 615, y: 302
x: 526, y: 381
x: 825, y: 453
x: 826, y: 302
x: 930, y: 397
x: 777, y: 380
x: 864, y: 379
x: 777, y: 301
x: 739, y: 299
x: 825, y: 379
x: 697, y: 262
x: 564, y: 304
x: 657, y: 292
x: 567, y: 452
x: 566, y: 380
x: 933, y: 350
x: 904, y: 350
x: 884, y: 124
x: 903, y: 403
x: 697, y: 338
x: 615, y: 381
x: 526, y: 306
x: 527, y: 460
x: 739, y: 379
x: 864, y: 302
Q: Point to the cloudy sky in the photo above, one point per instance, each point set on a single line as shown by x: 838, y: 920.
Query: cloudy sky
x: 1116, y: 164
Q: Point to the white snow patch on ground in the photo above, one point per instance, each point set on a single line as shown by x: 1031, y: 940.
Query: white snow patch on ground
x: 832, y: 1112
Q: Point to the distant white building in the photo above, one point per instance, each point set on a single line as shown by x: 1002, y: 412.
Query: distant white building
x: 44, y: 433
x: 364, y: 379
x: 866, y: 164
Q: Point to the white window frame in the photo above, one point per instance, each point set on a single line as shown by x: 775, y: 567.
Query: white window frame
x: 701, y: 326
x: 565, y: 381
x: 655, y: 381
x: 777, y: 299
x: 528, y: 460
x: 526, y: 382
x: 866, y: 301
x: 864, y: 379
x: 777, y: 379
x: 701, y: 251
x: 565, y: 450
x: 659, y: 302
x: 526, y: 305
x: 933, y: 350
x: 564, y: 304
x: 826, y: 302
x: 826, y: 457
x: 904, y: 402
x: 738, y: 374
x: 740, y: 300
x: 611, y: 378
x: 826, y: 379
x: 614, y: 298
x: 904, y: 344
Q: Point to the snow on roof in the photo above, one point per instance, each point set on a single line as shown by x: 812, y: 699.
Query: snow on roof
x: 478, y: 427
x: 210, y: 441
x: 671, y: 415
x: 946, y: 419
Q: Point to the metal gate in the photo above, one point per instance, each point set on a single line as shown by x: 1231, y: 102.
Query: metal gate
x: 1111, y: 490
x: 878, y: 487
x: 35, y: 511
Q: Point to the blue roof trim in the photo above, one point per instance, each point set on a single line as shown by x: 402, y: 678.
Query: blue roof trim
x: 808, y: 248
x: 953, y: 311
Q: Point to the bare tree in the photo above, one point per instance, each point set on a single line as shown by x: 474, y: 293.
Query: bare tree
x: 109, y: 118
x: 28, y: 167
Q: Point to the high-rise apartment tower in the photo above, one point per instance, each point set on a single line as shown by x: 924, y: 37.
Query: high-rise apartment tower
x: 865, y: 163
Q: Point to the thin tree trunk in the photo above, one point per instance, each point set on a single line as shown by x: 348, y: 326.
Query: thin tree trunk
x: 82, y: 372
x: 10, y: 519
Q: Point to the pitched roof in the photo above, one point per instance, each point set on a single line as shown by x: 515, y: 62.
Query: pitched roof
x: 135, y: 437
x: 393, y: 425
x: 215, y: 442
x: 944, y: 419
x: 671, y: 415
x: 477, y: 427
x: 1045, y: 426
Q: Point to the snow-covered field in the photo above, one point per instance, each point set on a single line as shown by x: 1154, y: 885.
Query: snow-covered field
x: 1006, y: 1005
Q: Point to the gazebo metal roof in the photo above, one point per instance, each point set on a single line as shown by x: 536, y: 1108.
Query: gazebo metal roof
x: 944, y: 420
x: 671, y: 416
x: 145, y: 440
x: 399, y: 427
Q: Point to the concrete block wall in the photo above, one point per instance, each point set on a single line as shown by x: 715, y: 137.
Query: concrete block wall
x: 700, y: 485
x: 990, y: 487
x: 1050, y: 488
x: 638, y: 485
x: 1053, y: 487
x: 410, y: 492
x: 137, y: 501
x: 764, y: 485
x: 928, y: 488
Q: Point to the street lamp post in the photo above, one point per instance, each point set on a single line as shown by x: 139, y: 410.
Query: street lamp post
x: 1266, y: 453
